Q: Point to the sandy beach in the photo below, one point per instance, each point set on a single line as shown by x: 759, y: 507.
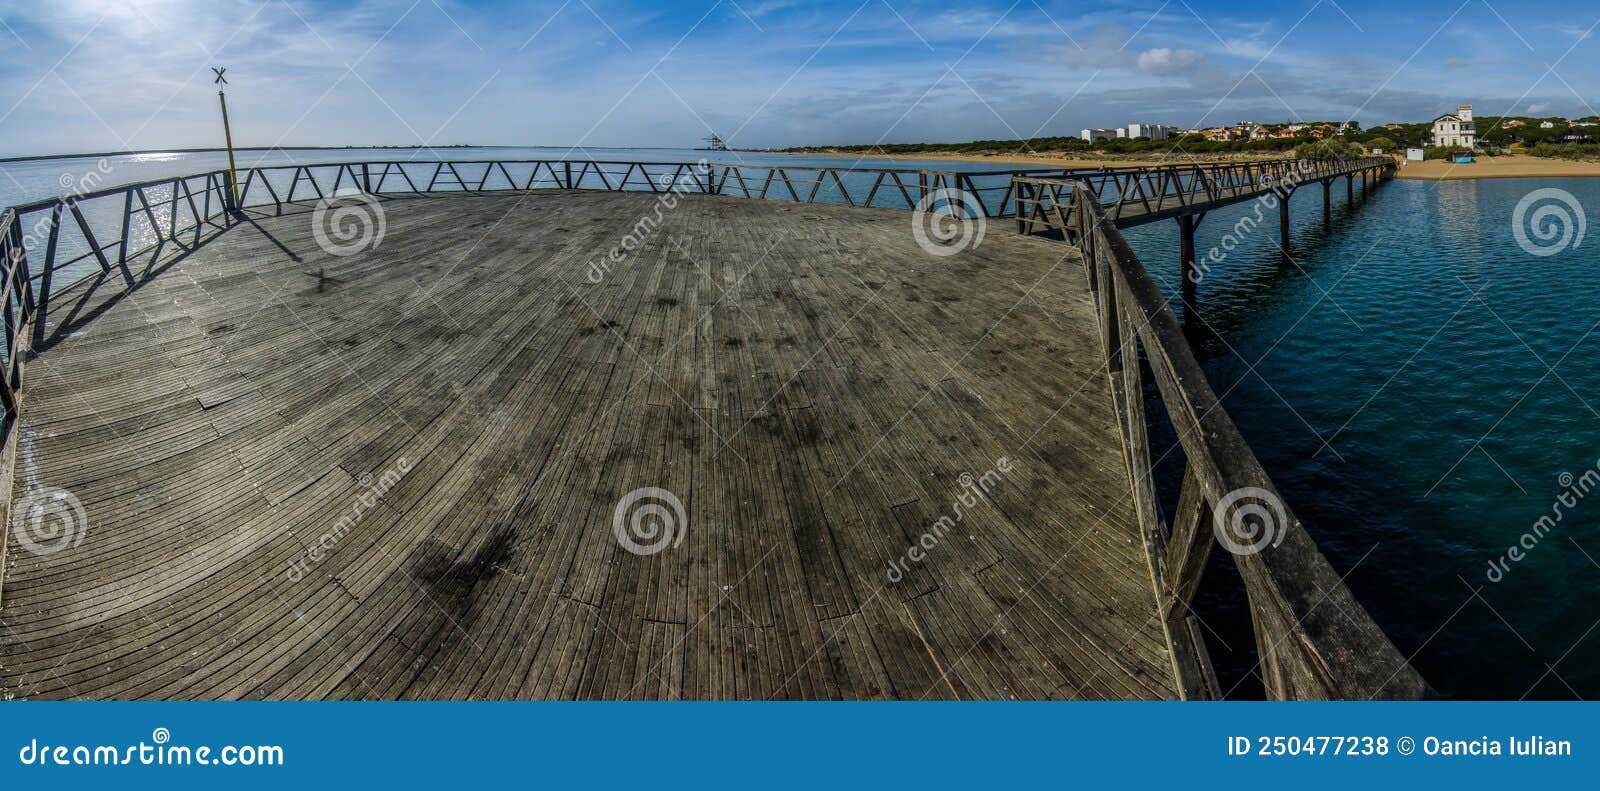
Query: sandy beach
x: 1504, y: 167
x: 1508, y: 167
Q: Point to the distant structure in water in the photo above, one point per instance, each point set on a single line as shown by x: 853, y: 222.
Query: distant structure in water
x: 714, y: 143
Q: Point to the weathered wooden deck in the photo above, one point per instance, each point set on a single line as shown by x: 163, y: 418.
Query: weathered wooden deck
x: 807, y: 381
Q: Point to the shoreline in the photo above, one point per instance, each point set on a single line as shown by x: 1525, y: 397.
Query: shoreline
x: 1012, y: 160
x: 1514, y: 166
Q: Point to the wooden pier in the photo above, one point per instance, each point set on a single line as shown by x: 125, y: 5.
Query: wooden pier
x: 403, y: 471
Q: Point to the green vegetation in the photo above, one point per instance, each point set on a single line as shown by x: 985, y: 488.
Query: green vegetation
x: 1567, y: 150
x: 1497, y: 135
x: 1329, y: 149
x: 1068, y: 146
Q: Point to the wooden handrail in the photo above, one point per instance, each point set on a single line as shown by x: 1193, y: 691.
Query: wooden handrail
x: 1313, y: 638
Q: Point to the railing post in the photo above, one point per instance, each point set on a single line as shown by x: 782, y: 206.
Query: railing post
x: 1283, y: 220
x: 42, y: 299
x: 19, y: 267
x: 1188, y: 547
x: 15, y: 317
x: 127, y: 214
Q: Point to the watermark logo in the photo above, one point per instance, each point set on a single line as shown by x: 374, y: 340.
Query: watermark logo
x: 947, y: 221
x: 649, y: 520
x: 1548, y: 221
x: 346, y: 224
x: 49, y: 520
x: 1248, y: 520
x: 78, y: 185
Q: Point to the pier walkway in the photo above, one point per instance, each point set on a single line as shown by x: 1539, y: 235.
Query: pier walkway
x: 811, y: 385
x: 768, y: 449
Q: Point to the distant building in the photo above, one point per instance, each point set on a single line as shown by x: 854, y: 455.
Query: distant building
x: 1092, y: 135
x: 1250, y: 130
x: 1221, y: 134
x: 1456, y: 130
x: 1152, y: 131
x: 1547, y: 124
x: 1512, y: 123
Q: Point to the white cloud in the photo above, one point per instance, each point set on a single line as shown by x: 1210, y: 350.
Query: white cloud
x: 1162, y: 61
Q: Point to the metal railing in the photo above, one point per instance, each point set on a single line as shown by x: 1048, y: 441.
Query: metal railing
x: 1142, y: 195
x: 899, y: 188
x: 62, y: 242
x: 1313, y: 639
x: 18, y: 307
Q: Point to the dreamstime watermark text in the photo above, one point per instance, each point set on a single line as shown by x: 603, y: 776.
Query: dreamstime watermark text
x: 677, y: 186
x: 373, y: 490
x: 159, y: 751
x: 1278, y: 191
x: 1574, y: 489
x: 963, y: 504
x: 76, y: 186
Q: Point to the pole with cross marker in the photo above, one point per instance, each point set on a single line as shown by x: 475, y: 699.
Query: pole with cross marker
x: 227, y: 134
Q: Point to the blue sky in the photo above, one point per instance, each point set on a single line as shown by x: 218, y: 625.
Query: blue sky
x: 79, y: 76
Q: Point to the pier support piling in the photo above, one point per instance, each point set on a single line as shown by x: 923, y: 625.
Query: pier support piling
x: 1191, y: 276
x: 1283, y: 219
x: 1327, y: 204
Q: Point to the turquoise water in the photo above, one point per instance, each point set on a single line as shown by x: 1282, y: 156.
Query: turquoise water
x: 1418, y: 385
x: 1415, y: 383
